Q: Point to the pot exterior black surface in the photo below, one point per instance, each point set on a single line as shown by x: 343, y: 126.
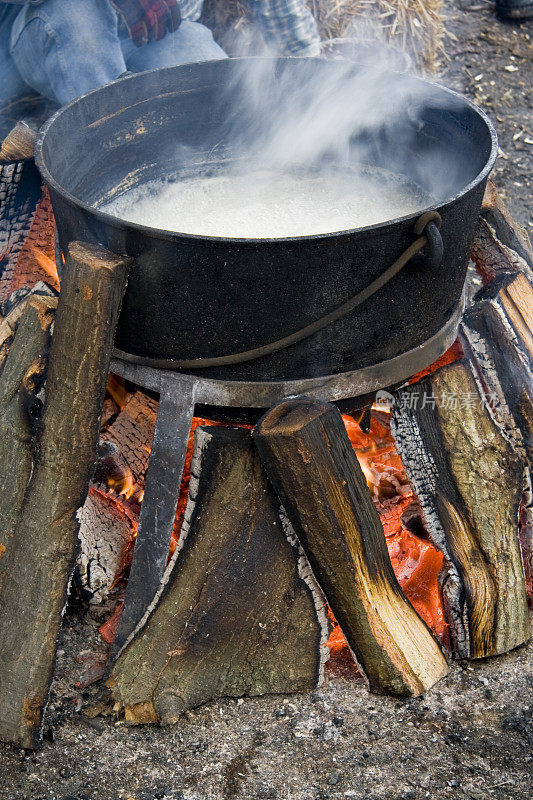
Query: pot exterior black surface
x: 194, y: 297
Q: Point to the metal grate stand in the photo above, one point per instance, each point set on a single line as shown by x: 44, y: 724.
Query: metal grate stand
x: 179, y: 393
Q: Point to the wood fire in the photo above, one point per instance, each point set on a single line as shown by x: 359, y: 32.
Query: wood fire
x: 432, y: 502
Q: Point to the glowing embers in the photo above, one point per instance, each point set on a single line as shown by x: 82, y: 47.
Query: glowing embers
x: 414, y: 559
x: 27, y: 253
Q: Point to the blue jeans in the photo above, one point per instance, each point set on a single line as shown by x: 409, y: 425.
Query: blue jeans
x: 64, y: 49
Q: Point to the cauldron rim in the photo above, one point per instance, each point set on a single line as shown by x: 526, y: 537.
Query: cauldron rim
x: 177, y: 236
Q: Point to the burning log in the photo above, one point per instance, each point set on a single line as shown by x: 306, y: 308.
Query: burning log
x: 238, y: 612
x: 107, y: 526
x: 468, y: 479
x: 34, y: 579
x: 106, y: 533
x: 108, y: 523
x: 133, y: 432
x: 310, y: 461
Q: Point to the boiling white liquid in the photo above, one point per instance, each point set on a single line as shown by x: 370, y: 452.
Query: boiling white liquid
x: 269, y: 205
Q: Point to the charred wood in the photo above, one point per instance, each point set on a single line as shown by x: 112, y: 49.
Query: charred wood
x: 107, y: 526
x: 501, y: 245
x: 106, y: 534
x: 307, y: 455
x: 238, y: 612
x: 20, y: 198
x: 112, y: 474
x: 133, y: 432
x: 509, y: 232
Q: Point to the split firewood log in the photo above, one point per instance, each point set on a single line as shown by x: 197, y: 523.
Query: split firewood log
x: 40, y: 297
x: 19, y: 144
x: 309, y: 459
x: 238, y: 612
x: 497, y: 332
x: 39, y: 542
x: 468, y: 478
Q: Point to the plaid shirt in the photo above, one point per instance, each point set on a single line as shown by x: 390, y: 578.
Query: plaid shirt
x: 287, y: 25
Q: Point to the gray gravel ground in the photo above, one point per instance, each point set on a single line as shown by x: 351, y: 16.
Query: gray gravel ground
x: 470, y: 737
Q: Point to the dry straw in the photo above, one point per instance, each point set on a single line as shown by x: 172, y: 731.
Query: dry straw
x: 416, y: 26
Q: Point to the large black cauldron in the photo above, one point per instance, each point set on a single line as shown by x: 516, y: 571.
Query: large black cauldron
x: 194, y: 297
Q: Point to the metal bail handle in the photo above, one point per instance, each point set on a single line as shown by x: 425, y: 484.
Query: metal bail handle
x: 427, y: 230
x: 428, y: 225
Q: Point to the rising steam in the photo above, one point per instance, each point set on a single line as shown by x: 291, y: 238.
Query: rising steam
x: 306, y: 125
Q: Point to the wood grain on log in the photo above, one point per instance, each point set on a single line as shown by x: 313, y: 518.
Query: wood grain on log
x: 498, y: 334
x: 238, y: 612
x: 468, y: 479
x: 19, y: 143
x: 39, y: 559
x: 307, y: 454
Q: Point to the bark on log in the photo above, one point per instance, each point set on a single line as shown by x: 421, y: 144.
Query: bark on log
x: 307, y: 454
x: 40, y: 298
x: 27, y: 330
x: 468, y: 479
x: 238, y: 612
x: 41, y: 545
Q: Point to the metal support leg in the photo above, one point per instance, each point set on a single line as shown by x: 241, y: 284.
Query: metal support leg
x: 161, y: 494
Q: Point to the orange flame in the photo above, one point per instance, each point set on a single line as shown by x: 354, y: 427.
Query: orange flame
x: 46, y: 264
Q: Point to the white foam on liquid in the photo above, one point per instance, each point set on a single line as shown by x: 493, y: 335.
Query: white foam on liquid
x: 270, y: 205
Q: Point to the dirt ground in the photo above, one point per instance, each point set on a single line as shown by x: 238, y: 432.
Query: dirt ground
x: 470, y: 737
x: 491, y: 62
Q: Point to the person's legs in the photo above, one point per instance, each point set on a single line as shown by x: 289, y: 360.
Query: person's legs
x: 12, y: 87
x: 66, y: 49
x: 191, y: 42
